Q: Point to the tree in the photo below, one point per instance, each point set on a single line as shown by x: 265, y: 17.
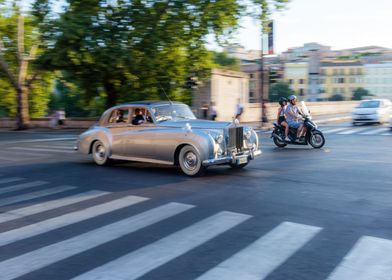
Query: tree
x: 18, y: 49
x: 223, y: 60
x: 132, y: 49
x: 336, y: 97
x: 280, y: 89
x: 359, y: 93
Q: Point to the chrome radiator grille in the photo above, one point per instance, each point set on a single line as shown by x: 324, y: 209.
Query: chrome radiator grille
x: 236, y: 138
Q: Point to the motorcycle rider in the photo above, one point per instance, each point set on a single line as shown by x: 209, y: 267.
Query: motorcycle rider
x: 294, y: 117
x: 281, y: 118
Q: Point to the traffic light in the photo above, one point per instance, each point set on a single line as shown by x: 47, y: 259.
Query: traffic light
x: 191, y: 82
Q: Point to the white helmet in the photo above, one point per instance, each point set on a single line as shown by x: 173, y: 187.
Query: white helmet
x: 292, y: 97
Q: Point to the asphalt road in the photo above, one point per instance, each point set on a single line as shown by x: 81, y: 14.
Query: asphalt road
x: 294, y: 213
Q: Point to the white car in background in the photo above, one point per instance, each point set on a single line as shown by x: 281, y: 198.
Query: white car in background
x: 372, y: 111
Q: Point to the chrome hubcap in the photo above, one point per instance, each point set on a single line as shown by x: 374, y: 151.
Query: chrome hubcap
x: 190, y: 161
x: 100, y: 152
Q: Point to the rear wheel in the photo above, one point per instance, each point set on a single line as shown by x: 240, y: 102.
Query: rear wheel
x: 279, y: 143
x: 190, y: 161
x: 317, y: 139
x: 100, y: 153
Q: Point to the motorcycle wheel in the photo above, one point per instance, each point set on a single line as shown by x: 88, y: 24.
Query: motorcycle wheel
x: 317, y: 139
x: 279, y: 143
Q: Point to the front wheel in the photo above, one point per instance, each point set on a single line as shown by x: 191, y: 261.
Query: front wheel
x: 190, y: 161
x: 100, y: 153
x: 317, y: 139
x: 279, y: 143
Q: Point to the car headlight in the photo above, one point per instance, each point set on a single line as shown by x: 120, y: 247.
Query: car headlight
x: 248, y: 134
x: 219, y: 139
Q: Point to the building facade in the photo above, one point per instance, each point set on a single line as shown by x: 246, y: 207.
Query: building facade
x: 296, y: 75
x: 340, y: 78
x: 379, y: 79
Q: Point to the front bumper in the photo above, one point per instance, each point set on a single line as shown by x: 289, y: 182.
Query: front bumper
x: 239, y: 158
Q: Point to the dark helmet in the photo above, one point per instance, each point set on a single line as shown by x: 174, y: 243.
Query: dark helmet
x: 292, y: 97
x: 282, y: 100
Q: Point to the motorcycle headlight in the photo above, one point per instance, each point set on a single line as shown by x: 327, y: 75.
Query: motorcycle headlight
x: 219, y: 139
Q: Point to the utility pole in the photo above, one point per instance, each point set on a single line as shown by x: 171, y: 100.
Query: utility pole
x: 262, y: 79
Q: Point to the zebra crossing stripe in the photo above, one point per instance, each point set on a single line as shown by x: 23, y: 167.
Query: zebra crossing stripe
x: 32, y: 195
x: 10, y: 180
x: 40, y: 150
x: 145, y: 259
x: 334, y: 130
x: 371, y: 258
x: 22, y: 186
x: 375, y: 131
x: 53, y: 204
x: 67, y: 219
x: 352, y: 131
x: 265, y: 254
x: 20, y: 265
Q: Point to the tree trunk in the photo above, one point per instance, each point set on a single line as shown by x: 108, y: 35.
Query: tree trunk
x: 23, y: 108
x: 111, y: 98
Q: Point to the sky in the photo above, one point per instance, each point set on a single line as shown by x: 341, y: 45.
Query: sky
x: 337, y: 23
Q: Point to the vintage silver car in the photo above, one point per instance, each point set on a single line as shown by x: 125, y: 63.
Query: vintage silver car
x: 168, y: 133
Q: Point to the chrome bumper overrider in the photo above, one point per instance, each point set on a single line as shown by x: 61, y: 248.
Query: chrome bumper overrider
x: 249, y: 155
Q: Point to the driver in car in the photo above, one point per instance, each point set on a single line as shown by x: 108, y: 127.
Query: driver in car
x: 294, y: 117
x: 139, y: 117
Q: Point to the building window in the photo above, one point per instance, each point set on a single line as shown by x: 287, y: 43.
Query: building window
x: 301, y: 81
x: 290, y: 81
x: 301, y: 92
x: 251, y: 76
x: 252, y: 97
x: 341, y: 80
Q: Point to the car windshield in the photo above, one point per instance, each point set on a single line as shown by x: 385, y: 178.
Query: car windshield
x: 369, y: 104
x: 172, y: 111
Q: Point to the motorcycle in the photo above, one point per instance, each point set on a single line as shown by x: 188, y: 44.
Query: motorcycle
x: 313, y: 136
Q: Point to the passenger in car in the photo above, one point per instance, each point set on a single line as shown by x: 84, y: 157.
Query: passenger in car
x: 139, y: 117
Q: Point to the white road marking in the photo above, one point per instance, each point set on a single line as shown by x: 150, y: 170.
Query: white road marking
x: 40, y: 150
x: 10, y: 180
x: 67, y: 219
x: 327, y: 131
x: 32, y: 195
x: 387, y: 134
x: 375, y: 131
x: 264, y: 255
x: 22, y: 186
x: 145, y: 259
x: 20, y: 265
x: 52, y: 204
x: 370, y: 258
x: 55, y: 147
x: 352, y: 131
x: 46, y: 140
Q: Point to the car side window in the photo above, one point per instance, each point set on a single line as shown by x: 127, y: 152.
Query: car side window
x: 119, y: 116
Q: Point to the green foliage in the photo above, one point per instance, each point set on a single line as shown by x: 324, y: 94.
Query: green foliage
x: 359, y: 93
x: 279, y: 89
x: 336, y: 97
x: 137, y: 49
x: 223, y: 60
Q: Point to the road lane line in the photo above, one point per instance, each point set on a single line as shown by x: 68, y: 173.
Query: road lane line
x: 40, y: 150
x: 264, y: 255
x: 55, y: 147
x: 67, y: 219
x: 334, y: 130
x: 145, y: 259
x: 52, y: 204
x: 370, y: 258
x: 20, y: 265
x: 45, y: 140
x: 10, y: 180
x: 32, y: 195
x: 352, y: 131
x: 375, y: 131
x: 19, y: 187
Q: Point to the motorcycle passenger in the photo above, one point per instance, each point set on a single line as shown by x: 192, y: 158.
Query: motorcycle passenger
x: 293, y: 116
x: 281, y: 117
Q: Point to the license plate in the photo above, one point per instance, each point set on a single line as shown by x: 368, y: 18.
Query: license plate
x: 242, y: 160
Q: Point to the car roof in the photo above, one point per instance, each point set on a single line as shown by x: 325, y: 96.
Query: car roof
x: 147, y: 103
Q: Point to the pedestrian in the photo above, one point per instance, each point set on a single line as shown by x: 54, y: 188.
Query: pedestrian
x: 239, y: 109
x: 212, y: 111
x: 204, y: 110
x: 60, y: 118
x: 264, y: 107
